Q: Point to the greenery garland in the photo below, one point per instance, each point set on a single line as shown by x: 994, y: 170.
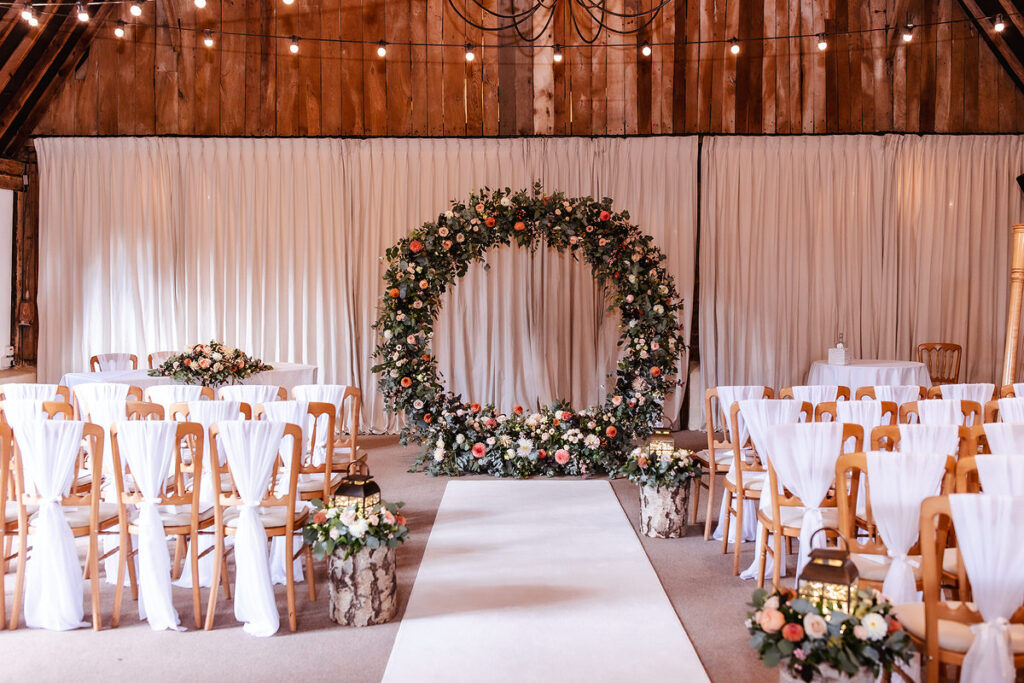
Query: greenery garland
x: 463, y: 437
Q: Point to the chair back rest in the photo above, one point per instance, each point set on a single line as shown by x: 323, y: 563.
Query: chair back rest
x: 951, y: 440
x: 802, y: 460
x: 37, y: 392
x: 760, y: 415
x: 169, y: 394
x: 941, y: 411
x: 47, y: 461
x: 158, y: 358
x: 979, y: 393
x: 897, y: 393
x: 997, y: 437
x: 865, y: 412
x: 113, y: 362
x: 87, y: 393
x: 144, y: 410
x: 308, y: 416
x: 1001, y: 475
x: 252, y: 394
x: 816, y: 393
x: 1008, y: 409
x: 250, y: 451
x: 150, y: 451
x: 347, y: 399
x: 13, y: 409
x: 942, y: 360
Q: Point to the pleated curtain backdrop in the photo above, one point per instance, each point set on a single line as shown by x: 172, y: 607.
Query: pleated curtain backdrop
x: 892, y: 240
x: 276, y: 246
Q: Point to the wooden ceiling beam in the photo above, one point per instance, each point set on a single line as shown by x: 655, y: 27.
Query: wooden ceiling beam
x: 1016, y: 18
x: 49, y: 23
x: 1004, y: 54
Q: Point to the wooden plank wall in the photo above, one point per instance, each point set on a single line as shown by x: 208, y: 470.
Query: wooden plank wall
x: 164, y: 82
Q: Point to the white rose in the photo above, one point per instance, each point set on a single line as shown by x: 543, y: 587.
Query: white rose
x: 632, y: 279
x: 505, y: 201
x: 216, y: 356
x: 443, y: 231
x: 491, y: 441
x: 388, y: 334
x: 592, y: 441
x: 334, y: 533
x: 659, y: 309
x: 394, y: 374
x: 438, y: 454
x: 374, y: 520
x: 358, y: 528
x: 875, y: 626
x: 348, y: 517
x: 417, y: 404
x: 771, y: 603
x: 815, y: 626
x: 460, y: 439
x: 448, y: 213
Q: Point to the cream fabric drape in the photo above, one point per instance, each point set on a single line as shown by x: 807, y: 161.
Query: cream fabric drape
x: 273, y: 245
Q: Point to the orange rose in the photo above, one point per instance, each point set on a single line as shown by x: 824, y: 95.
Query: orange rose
x: 604, y: 216
x: 401, y: 520
x: 406, y: 382
x: 642, y: 462
x: 794, y: 633
x: 394, y: 292
x: 895, y: 626
x: 428, y: 418
x: 518, y: 410
x: 320, y: 517
x: 415, y: 246
x: 555, y: 422
x: 655, y: 371
x: 611, y: 431
x: 479, y: 208
x: 425, y: 357
x: 424, y: 284
x: 447, y: 244
x: 475, y: 407
x: 771, y: 620
x: 520, y: 225
x: 542, y: 454
x: 489, y: 221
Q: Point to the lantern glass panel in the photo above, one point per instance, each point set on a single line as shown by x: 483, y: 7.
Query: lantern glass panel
x: 662, y: 443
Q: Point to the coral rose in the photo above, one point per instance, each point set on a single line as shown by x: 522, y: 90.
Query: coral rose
x: 415, y: 246
x: 479, y: 208
x: 406, y: 382
x: 611, y: 431
x: 320, y: 517
x: 424, y: 284
x: 642, y: 462
x: 475, y: 407
x: 489, y: 221
x: 518, y: 410
x: 479, y: 450
x: 520, y: 226
x: 401, y: 520
x: 604, y: 216
x: 794, y: 633
x: 895, y: 626
x: 771, y: 620
x: 542, y: 454
x: 561, y: 456
x: 428, y: 418
x: 655, y: 371
x: 425, y: 357
x: 491, y: 423
x: 394, y: 292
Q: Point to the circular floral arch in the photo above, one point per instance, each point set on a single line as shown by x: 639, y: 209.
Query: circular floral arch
x: 463, y: 437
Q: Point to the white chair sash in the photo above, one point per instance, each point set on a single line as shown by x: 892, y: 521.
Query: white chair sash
x: 248, y: 393
x: 251, y: 449
x: 816, y: 393
x: 148, y: 450
x: 1003, y: 438
x: 112, y: 362
x: 168, y: 394
x: 1001, y: 475
x: 323, y: 393
x: 981, y: 393
x: 988, y: 530
x: 1011, y: 410
x: 929, y: 438
x: 160, y: 357
x: 727, y: 396
x: 53, y: 576
x: 1018, y: 389
x: 898, y: 482
x: 940, y: 411
x: 23, y: 409
x: 804, y: 457
x: 296, y: 413
x: 898, y: 394
x: 867, y: 414
x: 37, y: 392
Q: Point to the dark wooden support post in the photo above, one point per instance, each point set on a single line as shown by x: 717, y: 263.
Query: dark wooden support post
x: 25, y: 270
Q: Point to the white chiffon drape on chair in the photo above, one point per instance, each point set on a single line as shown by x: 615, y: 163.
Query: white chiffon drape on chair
x: 273, y: 245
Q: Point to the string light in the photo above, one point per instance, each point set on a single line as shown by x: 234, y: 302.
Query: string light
x: 294, y: 47
x: 734, y: 46
x: 645, y: 49
x: 382, y: 49
x: 200, y: 3
x: 1000, y: 24
x: 33, y: 19
x: 288, y: 2
x: 558, y: 54
x: 26, y: 13
x: 908, y: 33
x: 136, y: 9
x: 470, y: 55
x: 119, y: 29
x: 208, y: 38
x: 822, y: 43
x: 83, y: 16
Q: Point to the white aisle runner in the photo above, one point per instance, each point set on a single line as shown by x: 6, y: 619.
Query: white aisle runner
x: 538, y: 581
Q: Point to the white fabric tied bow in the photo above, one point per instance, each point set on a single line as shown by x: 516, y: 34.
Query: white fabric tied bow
x: 148, y: 448
x: 251, y: 448
x: 990, y: 653
x: 296, y: 413
x: 53, y: 576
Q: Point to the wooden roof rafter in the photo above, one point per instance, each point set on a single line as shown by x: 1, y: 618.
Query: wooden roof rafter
x: 1010, y: 57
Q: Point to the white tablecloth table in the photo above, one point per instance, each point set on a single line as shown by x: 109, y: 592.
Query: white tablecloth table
x: 287, y: 375
x: 870, y: 373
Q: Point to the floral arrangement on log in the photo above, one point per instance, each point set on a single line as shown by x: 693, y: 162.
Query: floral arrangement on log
x: 353, y: 528
x: 466, y: 437
x: 669, y: 469
x: 211, y: 365
x: 805, y: 638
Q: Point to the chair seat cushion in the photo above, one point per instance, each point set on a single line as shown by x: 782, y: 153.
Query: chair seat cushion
x: 792, y: 516
x: 752, y: 481
x: 309, y: 483
x: 950, y: 561
x: 270, y: 517
x: 875, y: 567
x: 78, y: 515
x: 175, y: 515
x: 954, y: 636
x: 11, y: 511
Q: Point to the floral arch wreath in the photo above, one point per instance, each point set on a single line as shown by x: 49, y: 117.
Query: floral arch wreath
x: 463, y: 437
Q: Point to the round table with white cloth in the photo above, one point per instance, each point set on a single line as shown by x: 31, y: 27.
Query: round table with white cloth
x: 870, y: 373
x: 287, y: 375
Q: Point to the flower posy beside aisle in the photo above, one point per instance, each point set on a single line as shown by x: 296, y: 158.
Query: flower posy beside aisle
x: 463, y: 437
x: 664, y: 477
x: 211, y: 365
x: 813, y: 644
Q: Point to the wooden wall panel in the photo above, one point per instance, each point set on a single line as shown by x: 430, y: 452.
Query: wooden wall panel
x: 163, y: 81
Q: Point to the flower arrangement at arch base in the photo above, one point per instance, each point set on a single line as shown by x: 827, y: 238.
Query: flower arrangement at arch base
x: 811, y: 642
x: 211, y: 365
x: 466, y: 437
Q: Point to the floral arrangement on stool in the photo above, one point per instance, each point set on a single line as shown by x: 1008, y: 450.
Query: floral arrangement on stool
x: 664, y: 477
x: 211, y: 365
x: 815, y: 644
x: 360, y: 542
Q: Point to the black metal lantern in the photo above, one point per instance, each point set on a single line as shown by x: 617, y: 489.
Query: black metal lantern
x: 662, y: 443
x: 357, y: 488
x: 830, y: 578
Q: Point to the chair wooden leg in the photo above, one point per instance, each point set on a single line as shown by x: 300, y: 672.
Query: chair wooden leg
x: 218, y: 562
x: 127, y: 550
x: 94, y: 578
x: 19, y: 581
x: 311, y: 576
x: 738, y: 539
x: 762, y: 558
x: 197, y: 608
x: 290, y: 580
x: 696, y: 486
x: 122, y: 559
x: 709, y: 512
x: 179, y: 554
x: 777, y: 559
x: 3, y: 571
x: 224, y: 576
x: 726, y: 523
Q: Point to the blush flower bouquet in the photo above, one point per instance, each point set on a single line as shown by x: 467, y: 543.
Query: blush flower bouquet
x: 353, y: 528
x: 211, y: 365
x: 805, y: 639
x: 646, y: 467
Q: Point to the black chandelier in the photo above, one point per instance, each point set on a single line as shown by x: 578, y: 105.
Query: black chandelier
x: 593, y: 14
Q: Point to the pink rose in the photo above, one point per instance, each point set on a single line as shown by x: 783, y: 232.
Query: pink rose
x: 561, y: 456
x: 771, y: 620
x: 204, y: 363
x: 479, y: 450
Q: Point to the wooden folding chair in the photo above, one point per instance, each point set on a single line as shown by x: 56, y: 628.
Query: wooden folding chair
x: 96, y: 362
x: 942, y: 360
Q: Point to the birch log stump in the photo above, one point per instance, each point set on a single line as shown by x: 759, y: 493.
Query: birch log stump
x: 363, y: 587
x: 663, y: 511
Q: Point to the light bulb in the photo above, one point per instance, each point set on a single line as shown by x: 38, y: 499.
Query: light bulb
x: 1000, y: 24
x: 645, y: 50
x: 558, y: 54
x: 208, y: 38
x: 470, y: 55
x: 288, y: 2
x: 82, y: 14
x: 200, y: 3
x: 734, y: 46
x: 822, y: 43
x: 908, y: 33
x: 119, y: 29
x: 33, y: 20
x: 136, y: 9
x: 27, y: 12
x: 382, y: 49
x: 294, y: 47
